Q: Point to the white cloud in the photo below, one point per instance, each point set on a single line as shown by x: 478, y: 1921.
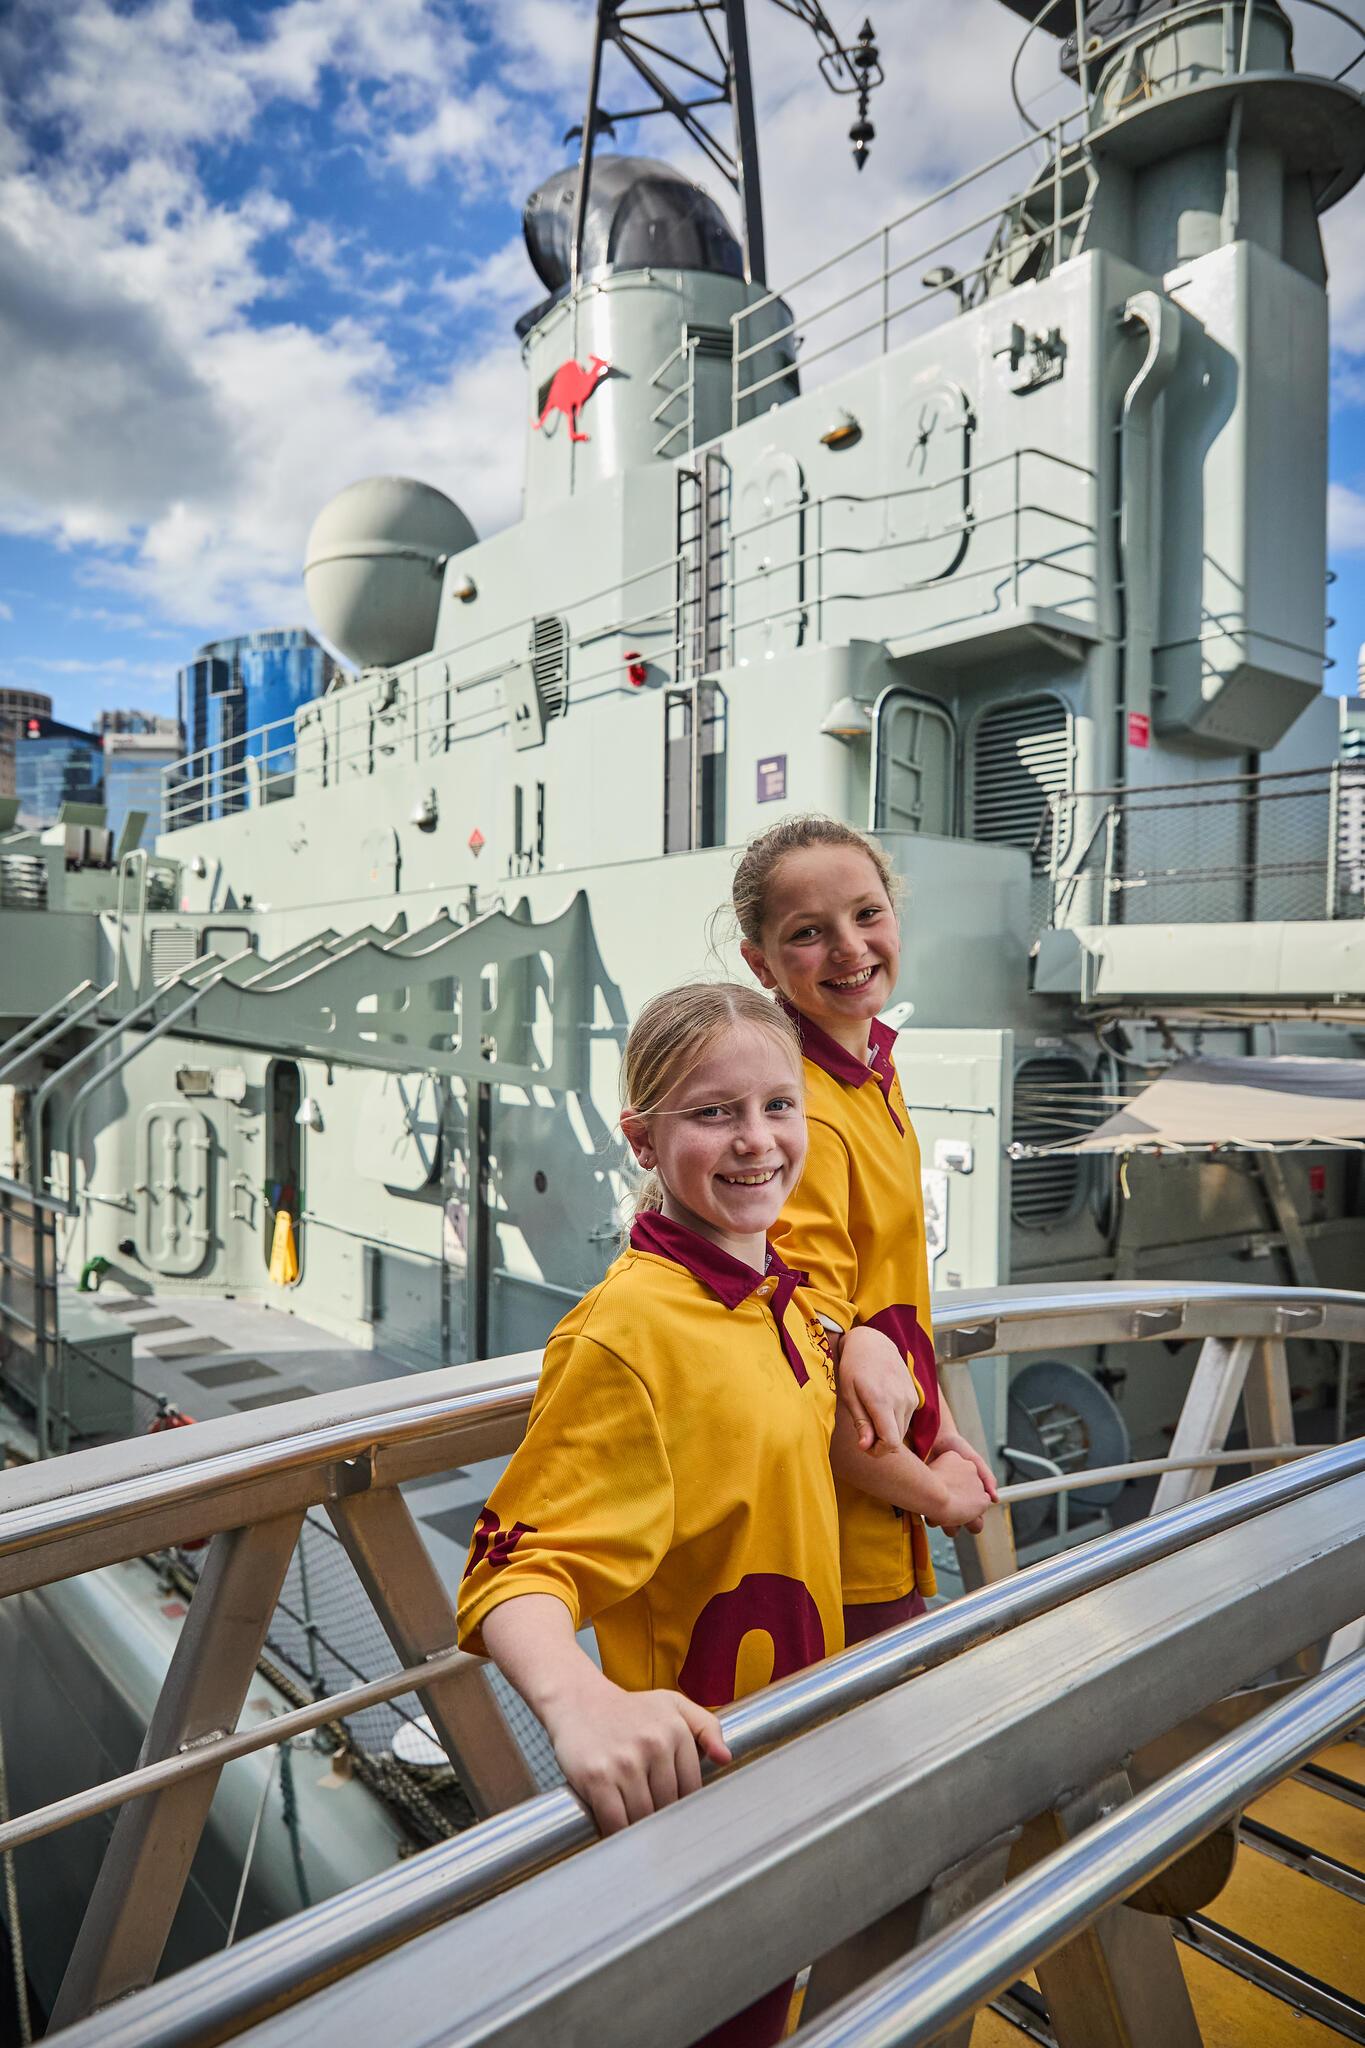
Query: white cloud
x: 502, y: 283
x: 494, y: 145
x: 6, y: 611
x: 164, y: 75
x: 157, y: 420
x: 1345, y: 520
x: 163, y: 420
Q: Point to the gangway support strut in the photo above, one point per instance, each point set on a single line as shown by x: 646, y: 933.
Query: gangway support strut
x: 394, y: 1566
x: 154, y: 1840
x: 1119, y: 1983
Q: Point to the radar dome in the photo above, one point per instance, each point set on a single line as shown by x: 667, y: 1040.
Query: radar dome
x: 375, y: 560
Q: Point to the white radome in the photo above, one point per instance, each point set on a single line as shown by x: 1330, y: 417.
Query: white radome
x: 374, y: 567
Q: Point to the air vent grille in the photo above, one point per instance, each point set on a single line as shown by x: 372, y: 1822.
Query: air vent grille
x: 173, y: 946
x: 1021, y: 756
x: 712, y: 342
x: 23, y: 882
x: 550, y: 665
x: 1047, y: 1192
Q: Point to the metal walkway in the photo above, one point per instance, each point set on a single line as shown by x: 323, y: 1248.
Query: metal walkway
x: 880, y: 1801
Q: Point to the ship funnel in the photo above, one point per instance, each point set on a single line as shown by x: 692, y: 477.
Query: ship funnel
x: 375, y: 562
x: 635, y: 365
x: 641, y: 213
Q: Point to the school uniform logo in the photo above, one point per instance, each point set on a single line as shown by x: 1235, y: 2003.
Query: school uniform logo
x: 819, y: 1337
x: 495, y: 1543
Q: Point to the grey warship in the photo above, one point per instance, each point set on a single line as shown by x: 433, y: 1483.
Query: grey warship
x: 999, y: 534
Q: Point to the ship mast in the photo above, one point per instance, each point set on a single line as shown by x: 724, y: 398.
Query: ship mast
x: 690, y: 76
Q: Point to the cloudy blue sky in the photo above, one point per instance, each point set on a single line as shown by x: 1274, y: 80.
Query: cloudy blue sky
x: 251, y: 251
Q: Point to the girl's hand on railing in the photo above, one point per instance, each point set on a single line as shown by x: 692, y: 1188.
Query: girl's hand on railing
x: 875, y: 1388
x: 627, y: 1754
x: 624, y: 1753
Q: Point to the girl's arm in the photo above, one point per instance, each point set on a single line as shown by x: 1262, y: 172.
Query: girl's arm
x: 947, y: 1489
x: 623, y: 1753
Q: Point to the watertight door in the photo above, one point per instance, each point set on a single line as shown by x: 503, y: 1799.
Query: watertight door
x: 175, y: 1148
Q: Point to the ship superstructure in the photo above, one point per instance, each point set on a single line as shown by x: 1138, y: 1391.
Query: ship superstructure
x: 1000, y: 534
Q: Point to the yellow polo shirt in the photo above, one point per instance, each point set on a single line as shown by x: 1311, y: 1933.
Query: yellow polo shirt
x: 856, y: 1226
x: 673, y: 1488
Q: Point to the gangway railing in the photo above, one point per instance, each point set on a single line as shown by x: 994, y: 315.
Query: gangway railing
x: 901, y: 1804
x: 950, y: 1977
x: 247, y: 1483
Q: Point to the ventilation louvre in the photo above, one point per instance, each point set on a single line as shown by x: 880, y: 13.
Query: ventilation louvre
x: 1046, y: 1192
x: 173, y: 946
x: 550, y: 665
x: 1021, y: 756
x: 23, y: 882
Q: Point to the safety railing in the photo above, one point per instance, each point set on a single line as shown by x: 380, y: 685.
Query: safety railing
x: 879, y: 285
x: 909, y: 1800
x: 235, y: 774
x: 675, y: 415
x: 247, y: 1483
x: 876, y: 293
x: 974, y: 542
x: 1245, y: 848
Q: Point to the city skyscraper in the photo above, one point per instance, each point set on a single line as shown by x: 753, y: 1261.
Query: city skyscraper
x: 138, y: 747
x: 55, y: 764
x: 230, y: 690
x: 17, y: 706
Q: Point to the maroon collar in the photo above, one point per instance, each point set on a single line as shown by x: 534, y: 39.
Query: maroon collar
x: 728, y: 1278
x: 827, y: 1054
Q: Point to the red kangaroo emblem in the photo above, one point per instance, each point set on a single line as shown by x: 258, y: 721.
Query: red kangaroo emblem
x: 570, y: 389
x: 494, y: 1542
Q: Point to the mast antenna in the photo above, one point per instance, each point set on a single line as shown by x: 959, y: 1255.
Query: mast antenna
x: 688, y: 73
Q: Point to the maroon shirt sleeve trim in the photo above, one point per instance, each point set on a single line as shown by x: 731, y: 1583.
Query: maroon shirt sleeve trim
x: 902, y: 1325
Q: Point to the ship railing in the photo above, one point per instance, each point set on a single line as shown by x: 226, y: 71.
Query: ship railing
x: 1239, y: 848
x: 254, y: 768
x: 246, y: 1484
x: 676, y: 377
x: 1014, y: 532
x: 879, y: 284
x: 869, y: 282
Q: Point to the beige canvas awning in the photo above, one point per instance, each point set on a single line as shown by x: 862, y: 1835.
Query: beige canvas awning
x: 1253, y: 1105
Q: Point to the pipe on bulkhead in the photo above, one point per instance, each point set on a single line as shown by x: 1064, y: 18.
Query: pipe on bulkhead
x: 1139, y: 494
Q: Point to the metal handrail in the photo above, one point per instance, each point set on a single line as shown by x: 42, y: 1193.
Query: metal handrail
x: 382, y: 1912
x: 780, y: 1711
x: 949, y: 1977
x: 117, y: 1501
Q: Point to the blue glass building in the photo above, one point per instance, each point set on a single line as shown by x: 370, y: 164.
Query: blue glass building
x: 55, y: 764
x: 228, y: 692
x: 139, y: 747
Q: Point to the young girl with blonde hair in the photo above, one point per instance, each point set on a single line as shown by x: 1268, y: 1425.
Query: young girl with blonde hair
x: 673, y: 1488
x: 815, y: 905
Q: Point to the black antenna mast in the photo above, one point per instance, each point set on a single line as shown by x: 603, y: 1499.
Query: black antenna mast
x: 714, y: 72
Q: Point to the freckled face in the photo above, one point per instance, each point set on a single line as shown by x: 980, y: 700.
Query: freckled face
x: 830, y: 941
x: 729, y: 1141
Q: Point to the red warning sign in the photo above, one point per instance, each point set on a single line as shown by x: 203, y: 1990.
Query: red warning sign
x: 1139, y: 729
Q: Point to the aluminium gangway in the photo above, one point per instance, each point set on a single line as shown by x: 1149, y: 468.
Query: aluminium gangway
x: 879, y: 1801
